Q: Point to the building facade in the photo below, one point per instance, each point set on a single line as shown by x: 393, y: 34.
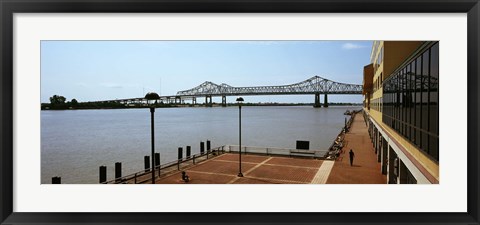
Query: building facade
x: 401, y: 109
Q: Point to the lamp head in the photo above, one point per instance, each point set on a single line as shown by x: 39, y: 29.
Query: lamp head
x: 239, y: 99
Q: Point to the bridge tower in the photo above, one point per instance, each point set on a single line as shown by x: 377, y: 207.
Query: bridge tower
x: 317, y: 101
x: 325, y: 101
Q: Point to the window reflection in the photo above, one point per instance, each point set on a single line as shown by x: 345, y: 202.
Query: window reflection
x: 411, y: 101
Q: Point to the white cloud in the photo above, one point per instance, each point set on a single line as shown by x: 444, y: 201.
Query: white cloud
x: 112, y: 85
x: 275, y: 42
x: 118, y: 85
x: 350, y: 46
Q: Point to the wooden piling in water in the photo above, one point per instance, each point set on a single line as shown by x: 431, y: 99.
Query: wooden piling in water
x: 188, y: 152
x: 146, y: 160
x: 103, y: 174
x: 157, y: 159
x: 118, y: 170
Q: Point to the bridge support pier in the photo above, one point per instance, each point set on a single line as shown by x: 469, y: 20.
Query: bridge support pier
x: 208, y: 101
x: 224, y: 101
x: 194, y: 100
x: 317, y: 101
x: 325, y: 101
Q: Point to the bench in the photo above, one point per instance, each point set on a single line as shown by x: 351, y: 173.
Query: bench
x: 304, y: 153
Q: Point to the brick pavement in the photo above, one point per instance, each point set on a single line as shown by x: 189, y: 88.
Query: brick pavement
x: 257, y: 169
x: 365, y: 169
x: 262, y: 169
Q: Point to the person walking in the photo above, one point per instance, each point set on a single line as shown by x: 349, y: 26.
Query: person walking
x: 352, y: 155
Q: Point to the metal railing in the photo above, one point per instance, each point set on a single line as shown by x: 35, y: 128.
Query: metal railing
x: 319, y: 154
x: 145, y: 175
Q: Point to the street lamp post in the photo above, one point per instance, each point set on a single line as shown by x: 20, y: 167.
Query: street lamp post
x: 152, y: 96
x: 239, y: 101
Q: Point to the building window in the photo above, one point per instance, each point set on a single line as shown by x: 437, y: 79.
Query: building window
x: 410, y: 101
x: 380, y: 57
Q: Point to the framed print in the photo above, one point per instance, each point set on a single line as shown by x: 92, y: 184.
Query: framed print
x: 256, y: 112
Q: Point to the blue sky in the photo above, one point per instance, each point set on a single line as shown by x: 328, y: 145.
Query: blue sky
x: 102, y: 70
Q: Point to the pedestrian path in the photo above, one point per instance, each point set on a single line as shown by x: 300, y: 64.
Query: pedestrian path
x: 269, y: 169
x: 323, y: 173
x: 365, y: 169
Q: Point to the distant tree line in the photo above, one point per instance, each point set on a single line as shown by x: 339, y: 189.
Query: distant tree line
x: 58, y: 102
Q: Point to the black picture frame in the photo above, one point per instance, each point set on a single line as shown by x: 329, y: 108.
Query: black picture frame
x: 9, y: 7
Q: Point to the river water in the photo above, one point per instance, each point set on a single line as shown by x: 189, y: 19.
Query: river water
x: 74, y: 143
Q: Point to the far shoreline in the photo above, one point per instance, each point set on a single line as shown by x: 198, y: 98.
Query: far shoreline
x: 47, y: 107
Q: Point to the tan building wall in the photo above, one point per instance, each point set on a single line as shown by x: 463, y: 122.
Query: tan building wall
x: 396, y: 52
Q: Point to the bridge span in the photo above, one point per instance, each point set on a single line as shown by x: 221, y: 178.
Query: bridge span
x: 315, y: 85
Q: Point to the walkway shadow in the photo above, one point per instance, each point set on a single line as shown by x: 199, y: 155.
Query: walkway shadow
x: 356, y: 166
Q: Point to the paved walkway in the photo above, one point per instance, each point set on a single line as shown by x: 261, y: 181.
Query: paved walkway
x: 323, y: 172
x: 263, y: 169
x: 365, y: 169
x: 256, y: 169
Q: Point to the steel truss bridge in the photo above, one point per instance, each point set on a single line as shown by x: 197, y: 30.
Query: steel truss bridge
x: 315, y: 85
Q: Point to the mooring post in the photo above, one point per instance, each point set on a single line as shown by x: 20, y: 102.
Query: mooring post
x: 103, y: 174
x: 208, y: 148
x: 118, y: 171
x: 180, y: 156
x: 188, y: 152
x: 146, y: 160
x: 180, y: 153
x: 56, y: 180
x: 157, y: 159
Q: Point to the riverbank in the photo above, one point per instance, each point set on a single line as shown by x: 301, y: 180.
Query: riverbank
x: 82, y: 106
